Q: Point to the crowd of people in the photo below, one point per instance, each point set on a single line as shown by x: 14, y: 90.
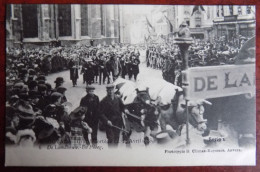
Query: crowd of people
x: 38, y: 114
x: 167, y: 57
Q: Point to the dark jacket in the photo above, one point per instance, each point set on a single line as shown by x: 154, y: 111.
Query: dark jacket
x: 74, y: 74
x: 112, y: 110
x: 92, y: 104
x: 135, y: 65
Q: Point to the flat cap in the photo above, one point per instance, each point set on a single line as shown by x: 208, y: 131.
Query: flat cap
x: 110, y: 86
x: 90, y: 87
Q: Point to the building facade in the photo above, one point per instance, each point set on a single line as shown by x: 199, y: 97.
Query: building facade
x: 234, y: 20
x: 40, y: 24
x: 167, y: 20
x: 199, y: 22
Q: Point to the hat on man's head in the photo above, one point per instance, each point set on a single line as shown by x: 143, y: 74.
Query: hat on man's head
x: 110, y: 86
x: 55, y: 96
x: 32, y: 84
x: 41, y: 77
x: 42, y: 87
x: 61, y: 89
x: 78, y: 113
x: 59, y: 80
x: 41, y: 82
x: 31, y: 72
x: 48, y: 85
x: 90, y: 87
x: 25, y: 111
x: 19, y: 85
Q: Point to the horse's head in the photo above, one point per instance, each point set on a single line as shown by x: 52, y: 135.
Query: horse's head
x: 142, y: 96
x: 196, y: 112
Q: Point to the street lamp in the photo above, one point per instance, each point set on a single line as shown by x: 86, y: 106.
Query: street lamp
x: 184, y: 41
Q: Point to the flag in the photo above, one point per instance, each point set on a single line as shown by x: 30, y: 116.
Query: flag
x: 148, y: 23
x: 197, y: 8
x: 171, y: 26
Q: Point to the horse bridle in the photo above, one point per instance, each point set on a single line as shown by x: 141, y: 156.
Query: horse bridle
x: 195, y: 119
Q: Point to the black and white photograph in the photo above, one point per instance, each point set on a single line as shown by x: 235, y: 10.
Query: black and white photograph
x: 130, y: 85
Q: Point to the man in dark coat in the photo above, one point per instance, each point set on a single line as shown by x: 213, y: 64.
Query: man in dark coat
x: 102, y: 69
x: 123, y: 66
x: 74, y: 74
x: 111, y: 108
x: 88, y: 72
x: 91, y: 101
x: 135, y: 66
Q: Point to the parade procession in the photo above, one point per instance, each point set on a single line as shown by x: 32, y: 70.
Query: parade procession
x: 111, y: 76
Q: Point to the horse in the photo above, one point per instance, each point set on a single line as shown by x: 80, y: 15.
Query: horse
x: 142, y: 115
x: 171, y: 102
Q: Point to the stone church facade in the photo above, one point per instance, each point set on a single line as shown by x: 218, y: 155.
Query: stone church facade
x: 68, y: 24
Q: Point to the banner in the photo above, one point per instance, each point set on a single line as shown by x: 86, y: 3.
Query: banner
x: 219, y: 81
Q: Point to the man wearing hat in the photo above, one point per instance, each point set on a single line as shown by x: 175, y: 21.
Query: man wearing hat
x: 59, y: 81
x: 43, y: 101
x: 91, y: 101
x: 62, y: 90
x: 111, y: 108
x: 74, y: 75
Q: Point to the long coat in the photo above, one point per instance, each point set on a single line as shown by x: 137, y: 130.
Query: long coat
x: 74, y: 73
x: 135, y: 65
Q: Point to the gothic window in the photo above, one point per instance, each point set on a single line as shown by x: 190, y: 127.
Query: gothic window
x: 30, y: 20
x: 64, y: 20
x: 84, y: 19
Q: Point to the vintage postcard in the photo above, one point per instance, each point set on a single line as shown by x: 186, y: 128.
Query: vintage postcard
x: 130, y: 85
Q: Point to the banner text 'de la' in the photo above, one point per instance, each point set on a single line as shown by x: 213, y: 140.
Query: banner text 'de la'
x: 219, y: 81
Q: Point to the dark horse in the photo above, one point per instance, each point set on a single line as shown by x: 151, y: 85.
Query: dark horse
x: 142, y: 115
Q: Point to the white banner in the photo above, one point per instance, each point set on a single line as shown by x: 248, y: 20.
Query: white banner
x: 219, y: 81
